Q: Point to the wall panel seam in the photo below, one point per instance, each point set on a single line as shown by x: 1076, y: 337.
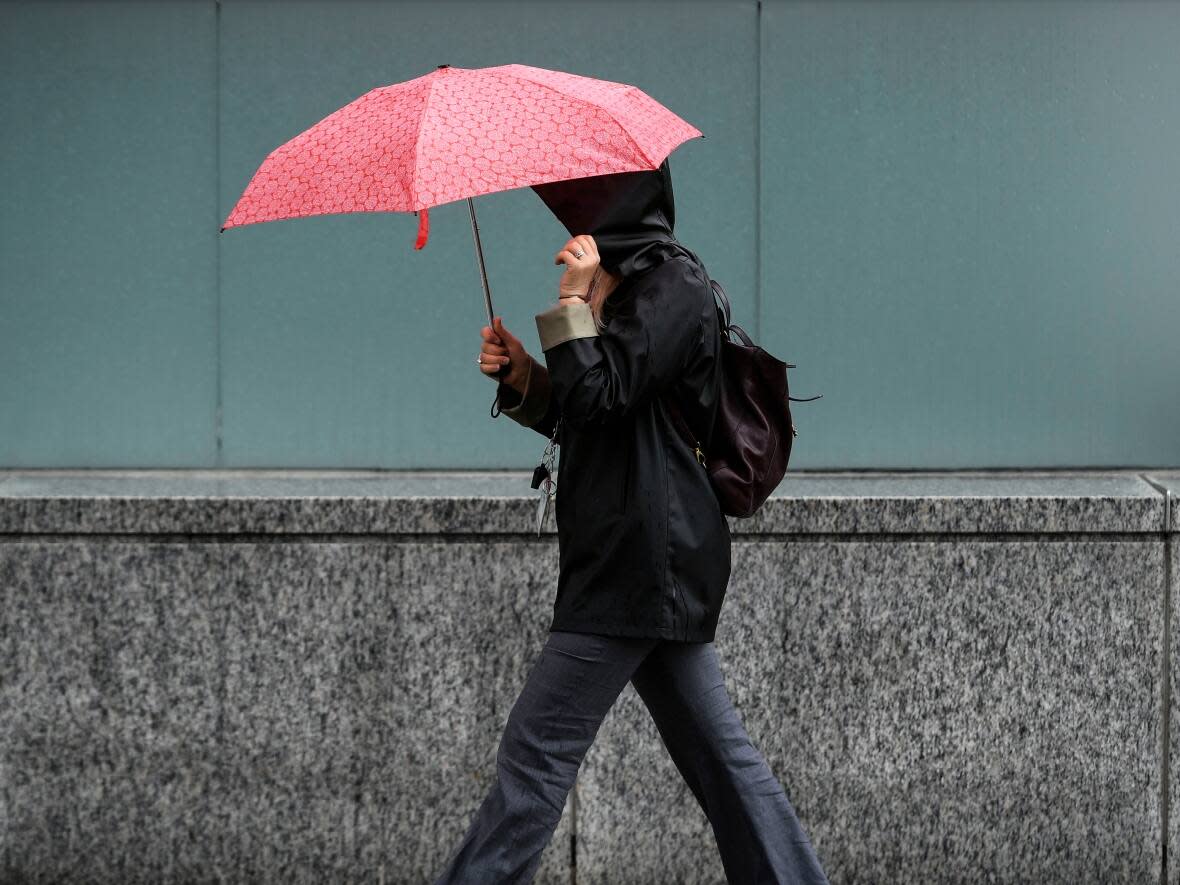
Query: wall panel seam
x: 1165, y: 707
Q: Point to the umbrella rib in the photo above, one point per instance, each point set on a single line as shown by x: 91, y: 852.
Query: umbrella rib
x: 418, y: 143
x: 593, y: 104
x: 626, y: 132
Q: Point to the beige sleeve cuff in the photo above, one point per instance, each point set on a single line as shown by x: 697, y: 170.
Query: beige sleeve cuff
x: 563, y: 322
x: 534, y: 402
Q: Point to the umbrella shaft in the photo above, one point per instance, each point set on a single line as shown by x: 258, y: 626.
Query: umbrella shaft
x: 483, y: 273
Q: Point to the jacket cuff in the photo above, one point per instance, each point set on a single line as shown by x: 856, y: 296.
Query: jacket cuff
x: 563, y: 322
x: 534, y: 402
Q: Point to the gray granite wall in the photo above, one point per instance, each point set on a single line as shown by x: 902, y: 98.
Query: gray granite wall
x: 1169, y: 483
x: 302, y: 677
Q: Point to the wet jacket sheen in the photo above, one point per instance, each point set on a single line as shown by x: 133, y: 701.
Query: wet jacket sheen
x: 644, y: 547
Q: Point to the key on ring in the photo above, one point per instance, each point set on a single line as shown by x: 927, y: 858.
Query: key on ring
x: 547, y: 494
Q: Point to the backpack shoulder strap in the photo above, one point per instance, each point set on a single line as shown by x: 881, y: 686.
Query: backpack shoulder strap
x: 673, y: 407
x: 719, y: 294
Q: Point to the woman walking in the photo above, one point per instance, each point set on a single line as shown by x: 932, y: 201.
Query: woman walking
x: 644, y: 549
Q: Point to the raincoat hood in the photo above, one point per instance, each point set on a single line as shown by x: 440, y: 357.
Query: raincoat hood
x: 629, y: 214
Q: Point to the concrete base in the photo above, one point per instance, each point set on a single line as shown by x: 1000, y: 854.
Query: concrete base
x: 303, y: 677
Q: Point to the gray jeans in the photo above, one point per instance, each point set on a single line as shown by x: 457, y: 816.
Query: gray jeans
x: 567, y: 694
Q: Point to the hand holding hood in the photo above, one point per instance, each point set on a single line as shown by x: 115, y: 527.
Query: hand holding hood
x: 629, y: 214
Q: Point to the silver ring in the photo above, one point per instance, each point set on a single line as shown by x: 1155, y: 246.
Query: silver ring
x: 579, y: 254
x: 479, y: 359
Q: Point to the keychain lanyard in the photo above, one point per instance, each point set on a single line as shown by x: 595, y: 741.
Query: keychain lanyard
x: 543, y: 477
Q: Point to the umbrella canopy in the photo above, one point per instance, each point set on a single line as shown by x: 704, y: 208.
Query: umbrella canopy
x: 457, y: 133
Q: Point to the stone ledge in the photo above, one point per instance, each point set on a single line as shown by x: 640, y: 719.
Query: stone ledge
x: 1169, y: 481
x: 501, y: 502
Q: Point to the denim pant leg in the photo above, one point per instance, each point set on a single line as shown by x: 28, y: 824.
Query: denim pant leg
x: 758, y: 833
x: 571, y: 687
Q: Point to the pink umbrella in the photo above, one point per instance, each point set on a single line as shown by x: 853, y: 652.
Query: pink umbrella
x: 457, y: 133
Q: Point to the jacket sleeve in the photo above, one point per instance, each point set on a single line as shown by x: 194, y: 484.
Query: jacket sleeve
x: 600, y: 377
x: 536, y: 408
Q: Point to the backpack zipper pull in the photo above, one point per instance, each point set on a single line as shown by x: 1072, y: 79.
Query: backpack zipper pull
x: 700, y: 455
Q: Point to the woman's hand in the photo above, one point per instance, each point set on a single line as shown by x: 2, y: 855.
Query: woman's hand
x: 502, y: 348
x: 579, y: 272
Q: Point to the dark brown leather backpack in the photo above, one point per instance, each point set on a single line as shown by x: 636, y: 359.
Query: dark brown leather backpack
x: 752, y: 437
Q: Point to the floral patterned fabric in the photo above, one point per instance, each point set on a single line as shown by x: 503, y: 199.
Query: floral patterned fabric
x: 457, y: 133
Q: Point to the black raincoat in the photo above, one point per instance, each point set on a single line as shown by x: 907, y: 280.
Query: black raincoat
x: 644, y: 548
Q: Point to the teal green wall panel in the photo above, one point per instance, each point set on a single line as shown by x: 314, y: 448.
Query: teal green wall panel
x: 969, y: 230
x: 342, y: 345
x: 958, y: 218
x: 108, y: 340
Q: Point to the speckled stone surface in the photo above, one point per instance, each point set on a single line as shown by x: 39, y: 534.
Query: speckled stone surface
x: 937, y: 711
x: 302, y: 677
x: 1170, y: 481
x: 279, y: 503
x: 262, y: 712
x: 1173, y: 827
x: 411, y: 502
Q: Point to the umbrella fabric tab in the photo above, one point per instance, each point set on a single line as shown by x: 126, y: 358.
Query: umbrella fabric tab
x: 423, y: 228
